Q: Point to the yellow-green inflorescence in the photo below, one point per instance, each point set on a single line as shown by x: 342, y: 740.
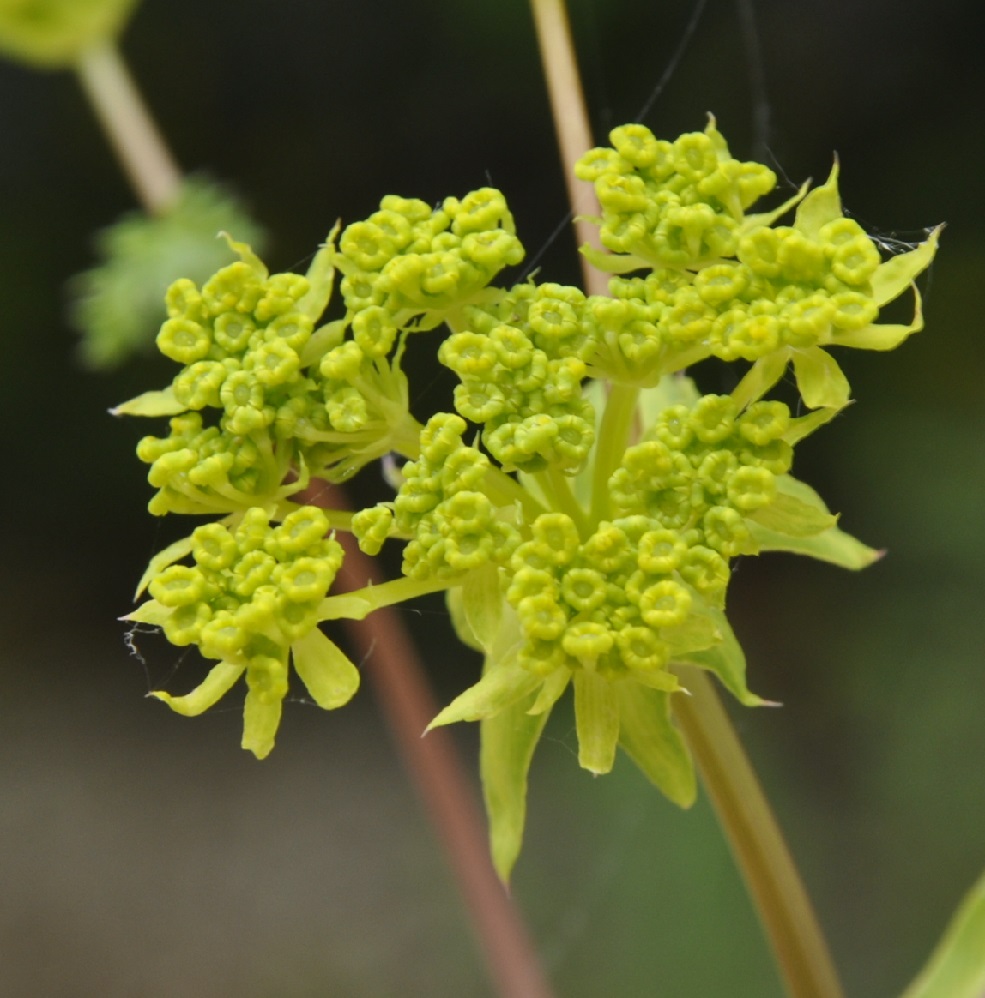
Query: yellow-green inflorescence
x: 582, y: 506
x: 251, y: 598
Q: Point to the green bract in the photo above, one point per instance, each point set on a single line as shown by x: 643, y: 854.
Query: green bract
x: 582, y: 506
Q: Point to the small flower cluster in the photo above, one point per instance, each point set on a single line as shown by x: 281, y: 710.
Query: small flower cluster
x: 521, y: 364
x: 636, y: 591
x: 253, y: 591
x: 405, y: 260
x: 726, y: 284
x: 240, y: 339
x: 672, y: 204
x: 442, y: 506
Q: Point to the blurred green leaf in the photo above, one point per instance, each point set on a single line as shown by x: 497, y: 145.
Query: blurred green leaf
x: 52, y: 33
x: 956, y: 968
x: 118, y: 306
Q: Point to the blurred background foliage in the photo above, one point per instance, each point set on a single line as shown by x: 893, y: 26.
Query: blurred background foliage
x: 144, y: 854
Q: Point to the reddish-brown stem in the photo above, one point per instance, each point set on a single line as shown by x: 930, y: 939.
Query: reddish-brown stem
x: 382, y: 642
x: 397, y: 674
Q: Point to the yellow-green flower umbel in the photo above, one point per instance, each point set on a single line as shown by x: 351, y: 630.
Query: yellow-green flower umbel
x: 583, y: 504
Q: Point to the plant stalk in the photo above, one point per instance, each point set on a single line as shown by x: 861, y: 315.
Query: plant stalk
x: 742, y: 809
x: 433, y: 763
x: 570, y: 123
x: 129, y: 126
x: 756, y: 842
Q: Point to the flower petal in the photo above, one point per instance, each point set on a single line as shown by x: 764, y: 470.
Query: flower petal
x: 172, y: 553
x: 551, y: 690
x: 821, y: 206
x: 833, y: 546
x: 321, y: 277
x: 728, y: 662
x: 796, y: 511
x: 156, y: 403
x: 261, y: 719
x: 501, y: 686
x: 150, y: 612
x: 761, y: 377
x: 883, y: 336
x: 482, y: 604
x: 820, y: 380
x: 894, y: 276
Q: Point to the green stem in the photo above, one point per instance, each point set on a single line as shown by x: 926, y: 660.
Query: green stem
x: 557, y: 488
x: 503, y: 490
x: 757, y: 843
x: 614, y: 433
x: 129, y: 126
x: 742, y: 809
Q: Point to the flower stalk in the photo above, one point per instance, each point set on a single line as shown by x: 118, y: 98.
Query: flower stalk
x: 128, y: 124
x: 756, y: 842
x: 744, y: 814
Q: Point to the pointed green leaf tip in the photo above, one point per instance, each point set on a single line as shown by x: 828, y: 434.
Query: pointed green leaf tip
x: 894, y: 276
x: 820, y: 206
x: 506, y: 747
x: 728, y: 662
x: 956, y: 968
x: 155, y: 403
x: 500, y: 687
x: 648, y: 736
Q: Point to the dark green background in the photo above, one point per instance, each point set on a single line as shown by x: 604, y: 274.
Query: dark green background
x: 144, y: 854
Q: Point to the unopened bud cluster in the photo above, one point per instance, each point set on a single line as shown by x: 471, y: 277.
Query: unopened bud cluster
x: 582, y: 505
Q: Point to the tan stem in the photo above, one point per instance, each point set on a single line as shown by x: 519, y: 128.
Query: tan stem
x: 397, y: 675
x: 570, y: 122
x: 128, y: 125
x: 756, y: 842
x: 743, y: 811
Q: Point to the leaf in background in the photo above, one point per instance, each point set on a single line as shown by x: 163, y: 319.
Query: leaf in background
x: 956, y: 968
x: 118, y: 306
